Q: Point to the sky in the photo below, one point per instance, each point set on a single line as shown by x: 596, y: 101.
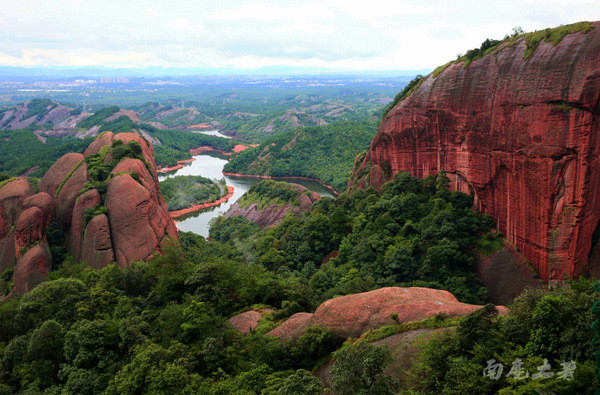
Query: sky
x: 336, y: 35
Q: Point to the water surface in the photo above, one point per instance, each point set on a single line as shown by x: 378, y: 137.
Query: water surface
x: 210, y: 165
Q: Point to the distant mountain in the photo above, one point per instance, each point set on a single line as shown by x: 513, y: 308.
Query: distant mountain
x: 100, y: 71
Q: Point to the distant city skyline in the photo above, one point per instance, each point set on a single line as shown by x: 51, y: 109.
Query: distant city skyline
x: 247, y: 35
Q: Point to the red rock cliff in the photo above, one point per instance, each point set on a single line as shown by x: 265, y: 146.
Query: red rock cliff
x: 522, y: 135
x: 131, y: 220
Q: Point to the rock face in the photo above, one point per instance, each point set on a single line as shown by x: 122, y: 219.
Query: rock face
x: 521, y: 135
x: 353, y: 315
x: 122, y: 218
x: 273, y: 214
x: 24, y: 219
x: 131, y: 220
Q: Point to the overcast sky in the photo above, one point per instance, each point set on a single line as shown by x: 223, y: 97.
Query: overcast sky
x: 343, y: 35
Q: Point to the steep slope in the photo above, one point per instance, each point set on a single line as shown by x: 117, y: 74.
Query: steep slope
x: 267, y: 202
x: 24, y: 218
x: 41, y: 113
x: 323, y: 153
x: 107, y: 201
x: 518, y: 129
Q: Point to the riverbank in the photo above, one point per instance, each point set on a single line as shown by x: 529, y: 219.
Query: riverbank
x: 205, y: 148
x: 329, y: 187
x: 198, y: 207
x: 179, y: 165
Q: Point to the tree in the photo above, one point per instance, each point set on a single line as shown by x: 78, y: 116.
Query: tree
x: 359, y: 369
x: 301, y: 383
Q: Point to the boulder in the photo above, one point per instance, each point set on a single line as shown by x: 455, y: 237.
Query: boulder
x: 44, y: 202
x: 245, y: 322
x: 65, y: 200
x: 353, y: 315
x: 29, y: 228
x: 138, y: 223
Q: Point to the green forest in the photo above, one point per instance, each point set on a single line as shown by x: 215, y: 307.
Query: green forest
x: 324, y: 153
x: 161, y: 326
x: 21, y: 150
x: 184, y: 191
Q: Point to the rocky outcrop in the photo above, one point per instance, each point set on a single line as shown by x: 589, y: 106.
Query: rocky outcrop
x: 130, y: 221
x: 24, y: 219
x: 247, y: 321
x: 122, y: 219
x: 272, y: 214
x: 353, y: 315
x: 519, y: 133
x: 32, y: 268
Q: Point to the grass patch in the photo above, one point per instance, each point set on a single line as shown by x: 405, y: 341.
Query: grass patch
x: 3, y: 183
x: 64, y: 180
x: 553, y: 36
x: 440, y: 69
x: 406, y: 92
x: 439, y: 321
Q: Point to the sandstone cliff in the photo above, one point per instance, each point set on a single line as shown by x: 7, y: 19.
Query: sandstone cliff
x: 518, y: 129
x: 112, y: 209
x: 24, y: 219
x: 106, y: 200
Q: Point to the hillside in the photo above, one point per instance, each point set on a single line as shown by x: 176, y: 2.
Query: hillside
x: 515, y: 125
x: 268, y: 202
x: 323, y: 153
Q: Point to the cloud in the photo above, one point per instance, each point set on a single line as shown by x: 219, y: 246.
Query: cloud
x: 344, y: 34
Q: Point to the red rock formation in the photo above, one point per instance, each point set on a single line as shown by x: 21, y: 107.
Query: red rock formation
x: 102, y: 140
x: 273, y: 214
x: 97, y: 250
x: 245, y: 322
x: 58, y: 171
x: 353, y: 315
x: 84, y: 202
x: 137, y: 221
x: 32, y: 268
x: 24, y: 218
x: 521, y: 135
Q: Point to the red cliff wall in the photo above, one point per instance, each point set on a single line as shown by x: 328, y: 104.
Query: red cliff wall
x: 523, y: 135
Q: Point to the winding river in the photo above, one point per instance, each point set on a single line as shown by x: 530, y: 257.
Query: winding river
x: 210, y: 165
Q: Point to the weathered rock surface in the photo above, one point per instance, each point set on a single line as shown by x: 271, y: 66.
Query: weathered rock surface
x: 273, y: 214
x: 246, y: 321
x: 97, y: 250
x: 58, y: 171
x: 24, y: 218
x: 353, y: 315
x: 103, y: 139
x: 138, y: 225
x: 32, y: 268
x: 85, y: 201
x: 521, y: 135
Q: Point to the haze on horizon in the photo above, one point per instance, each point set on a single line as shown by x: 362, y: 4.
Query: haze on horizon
x: 327, y: 35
